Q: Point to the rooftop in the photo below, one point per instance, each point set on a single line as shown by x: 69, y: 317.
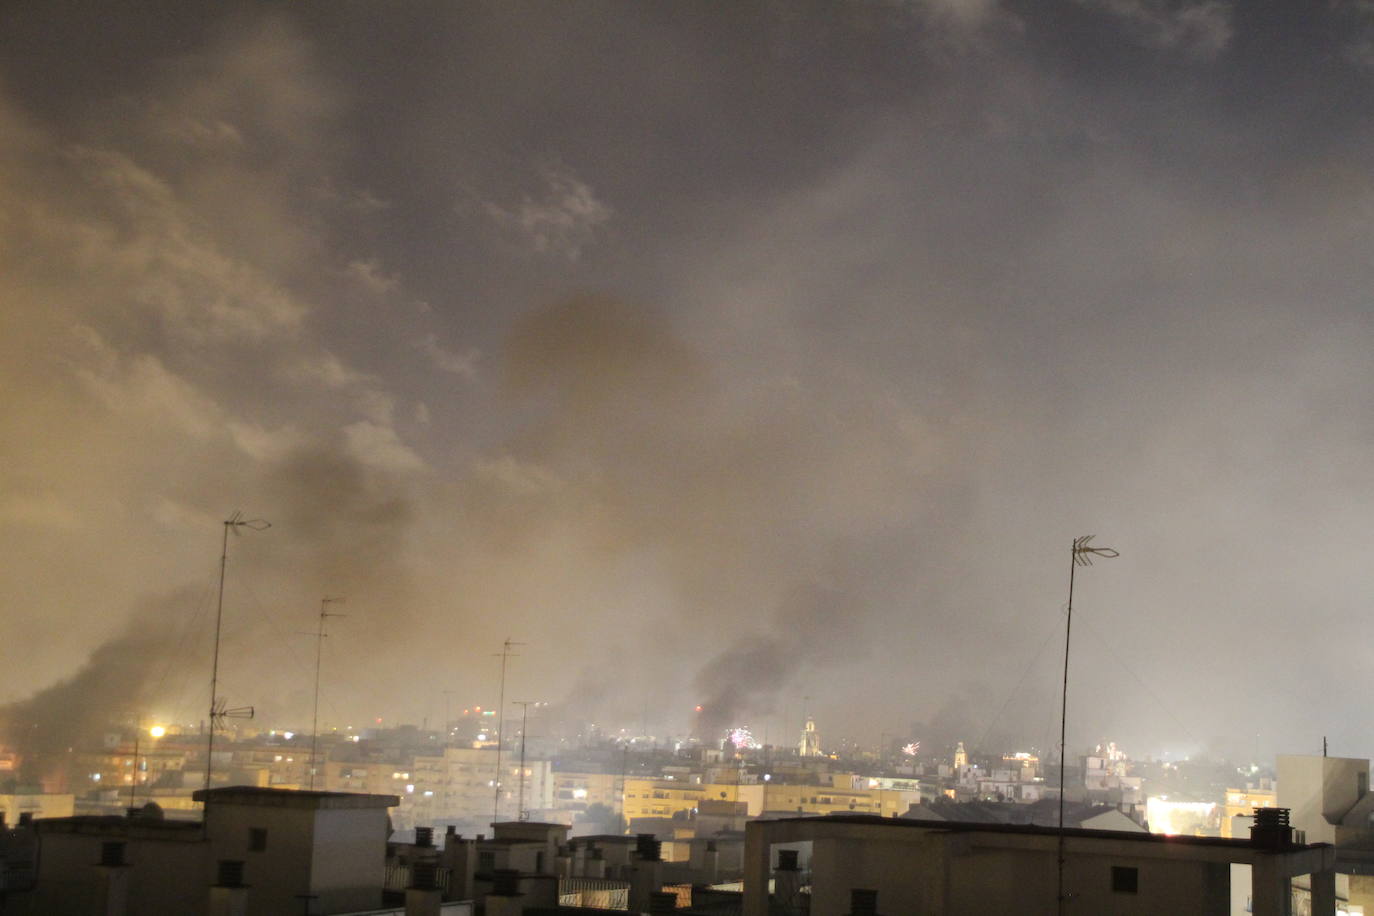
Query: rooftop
x: 293, y: 798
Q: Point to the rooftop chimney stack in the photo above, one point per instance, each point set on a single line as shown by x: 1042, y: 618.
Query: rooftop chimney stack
x: 646, y: 872
x: 505, y: 898
x: 863, y: 902
x: 459, y: 856
x: 662, y: 902
x: 1271, y: 829
x: 229, y: 895
x: 564, y: 861
x: 787, y: 883
x: 595, y: 864
x: 113, y: 898
x: 423, y: 897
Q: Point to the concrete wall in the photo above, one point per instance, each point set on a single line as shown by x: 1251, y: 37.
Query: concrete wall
x: 161, y: 877
x: 349, y: 863
x: 277, y: 873
x: 909, y: 879
x: 1319, y: 791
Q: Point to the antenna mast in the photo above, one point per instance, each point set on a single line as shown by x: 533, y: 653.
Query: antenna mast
x: 524, y: 721
x: 218, y: 710
x: 1080, y: 554
x: 504, y: 654
x: 319, y: 655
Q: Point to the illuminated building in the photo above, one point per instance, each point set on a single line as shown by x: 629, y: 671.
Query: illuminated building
x: 1242, y: 803
x: 960, y: 757
x: 579, y: 791
x: 844, y: 794
x: 13, y: 807
x: 810, y: 744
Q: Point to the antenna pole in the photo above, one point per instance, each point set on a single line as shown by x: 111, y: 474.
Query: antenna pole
x: 1080, y: 554
x: 524, y: 722
x: 319, y: 656
x: 234, y: 523
x: 1064, y: 725
x: 505, y: 654
x: 214, y: 665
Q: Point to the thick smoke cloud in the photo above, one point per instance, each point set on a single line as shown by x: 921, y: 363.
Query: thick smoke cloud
x: 110, y: 689
x: 505, y: 344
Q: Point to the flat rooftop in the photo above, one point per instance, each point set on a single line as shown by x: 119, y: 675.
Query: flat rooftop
x: 293, y: 798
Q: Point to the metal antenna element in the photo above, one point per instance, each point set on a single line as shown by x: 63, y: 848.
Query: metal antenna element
x: 504, y: 655
x: 524, y: 721
x: 319, y: 655
x: 1081, y: 554
x: 217, y: 710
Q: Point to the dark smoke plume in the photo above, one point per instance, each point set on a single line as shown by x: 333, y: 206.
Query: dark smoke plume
x: 114, y: 685
x: 746, y: 678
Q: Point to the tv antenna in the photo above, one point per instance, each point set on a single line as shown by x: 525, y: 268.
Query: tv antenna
x: 1081, y: 553
x: 319, y: 635
x: 505, y: 654
x: 219, y: 710
x: 524, y: 721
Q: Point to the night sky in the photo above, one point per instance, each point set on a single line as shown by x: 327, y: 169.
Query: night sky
x: 723, y: 353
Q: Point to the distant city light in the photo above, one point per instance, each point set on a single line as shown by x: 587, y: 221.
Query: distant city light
x: 157, y: 731
x: 698, y: 709
x: 288, y: 735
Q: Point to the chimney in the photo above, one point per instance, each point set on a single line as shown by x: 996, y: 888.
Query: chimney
x: 863, y: 902
x: 662, y: 902
x: 1271, y: 829
x: 459, y: 856
x: 113, y: 897
x: 787, y: 883
x: 505, y: 898
x: 595, y: 864
x: 564, y: 862
x: 423, y: 895
x: 229, y: 895
x: 710, y: 863
x: 646, y: 874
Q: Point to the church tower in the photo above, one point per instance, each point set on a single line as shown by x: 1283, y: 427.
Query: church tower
x: 810, y: 744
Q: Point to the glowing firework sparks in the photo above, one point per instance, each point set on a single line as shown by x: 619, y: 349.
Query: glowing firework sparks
x: 742, y: 738
x: 912, y: 749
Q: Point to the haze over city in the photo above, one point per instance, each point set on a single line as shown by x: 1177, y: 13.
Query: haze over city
x: 763, y: 357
